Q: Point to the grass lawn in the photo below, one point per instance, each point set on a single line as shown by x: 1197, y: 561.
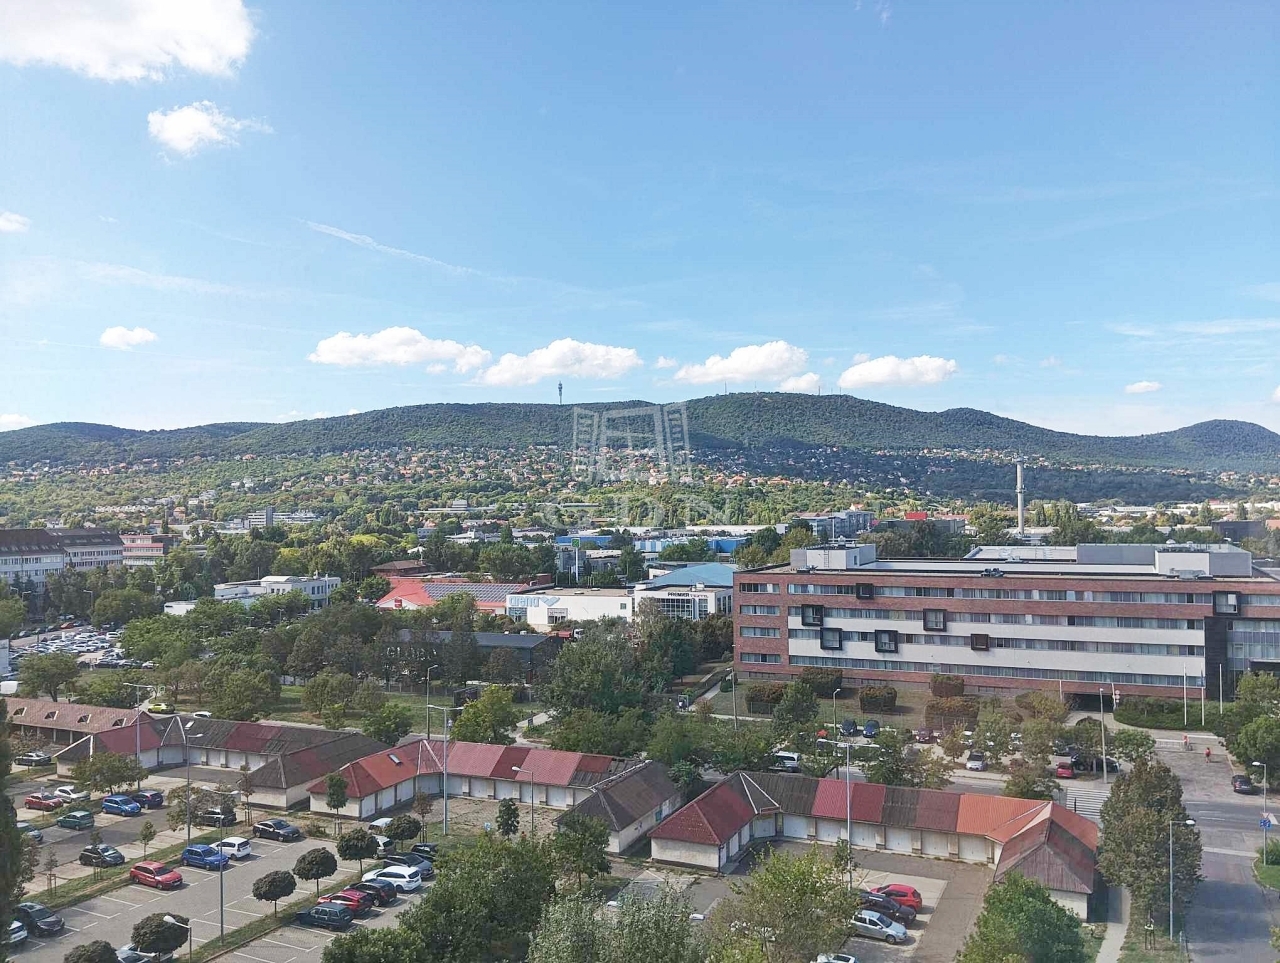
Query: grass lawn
x: 1093, y: 943
x: 1268, y: 875
x: 290, y: 709
x: 1163, y: 952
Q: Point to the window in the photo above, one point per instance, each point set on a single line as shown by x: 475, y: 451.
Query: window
x: 19, y: 711
x: 865, y: 590
x: 758, y: 632
x: 886, y: 640
x: 53, y: 714
x: 759, y: 657
x: 1226, y: 603
x: 82, y: 719
x: 811, y: 615
x: 758, y: 609
x: 980, y: 642
x: 769, y: 588
x: 935, y: 620
x: 831, y: 639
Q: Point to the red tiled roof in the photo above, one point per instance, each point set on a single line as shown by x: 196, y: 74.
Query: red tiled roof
x: 711, y: 819
x: 937, y: 810
x: 979, y: 815
x: 419, y: 593
x: 868, y: 802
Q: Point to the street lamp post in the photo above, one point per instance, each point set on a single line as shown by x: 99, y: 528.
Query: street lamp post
x: 137, y: 720
x: 186, y: 752
x: 733, y: 687
x: 444, y: 784
x: 848, y: 799
x: 835, y: 721
x: 1263, y: 765
x: 429, y: 668
x: 1102, y: 711
x: 1189, y: 822
x: 222, y: 834
x: 168, y: 918
x: 533, y: 826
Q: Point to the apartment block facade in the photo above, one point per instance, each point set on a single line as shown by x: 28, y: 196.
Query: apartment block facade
x: 1142, y: 619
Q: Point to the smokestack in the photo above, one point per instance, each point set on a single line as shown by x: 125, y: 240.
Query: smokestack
x: 1022, y: 512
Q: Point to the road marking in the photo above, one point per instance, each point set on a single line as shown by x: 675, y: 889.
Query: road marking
x: 288, y: 946
x: 92, y: 913
x: 250, y: 956
x: 245, y: 912
x: 123, y: 902
x: 1231, y: 852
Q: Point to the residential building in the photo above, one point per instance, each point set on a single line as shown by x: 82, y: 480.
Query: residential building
x: 402, y: 568
x: 89, y: 548
x: 62, y: 722
x: 833, y: 526
x: 532, y: 650
x: 146, y: 548
x: 317, y: 588
x: 1237, y: 530
x: 1144, y: 619
x: 390, y: 778
x: 1041, y: 840
x: 545, y: 607
x: 692, y: 592
x: 29, y: 555
x: 632, y: 803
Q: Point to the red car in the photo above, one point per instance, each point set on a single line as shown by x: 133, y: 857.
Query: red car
x: 1065, y: 771
x: 150, y: 873
x: 904, y: 894
x: 44, y: 801
x: 359, y: 903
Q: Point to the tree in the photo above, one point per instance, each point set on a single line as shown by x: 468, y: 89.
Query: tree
x: 368, y: 696
x: 244, y: 786
x: 798, y: 898
x: 585, y: 730
x: 329, y: 688
x: 98, y: 951
x: 673, y: 739
x: 508, y: 818
x: 273, y: 887
x: 119, y: 606
x: 1131, y: 745
x: 245, y: 695
x: 598, y: 671
x: 12, y: 613
x: 156, y: 934
x: 335, y: 794
x: 315, y: 864
x: 657, y: 930
x: 1259, y: 689
x: 423, y: 804
x: 366, y: 945
x: 1028, y: 780
x: 899, y: 763
x: 146, y: 834
x: 402, y: 828
x: 47, y: 673
x: 994, y: 734
x: 1020, y: 921
x: 389, y: 723
x: 581, y: 846
x: 107, y: 772
x: 952, y: 744
x: 488, y: 719
x: 1039, y: 737
x: 357, y: 844
x: 1259, y: 741
x: 798, y: 708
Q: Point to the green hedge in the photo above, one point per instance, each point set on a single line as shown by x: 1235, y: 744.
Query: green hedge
x: 946, y: 714
x: 946, y: 686
x: 823, y: 682
x: 766, y: 693
x: 878, y: 698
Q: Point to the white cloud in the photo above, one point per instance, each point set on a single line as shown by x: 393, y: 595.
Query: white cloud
x: 122, y: 338
x: 807, y: 383
x: 401, y: 346
x: 576, y: 359
x: 1053, y: 361
x: 752, y: 362
x: 11, y: 223
x: 665, y: 362
x: 1142, y: 387
x: 1229, y: 326
x: 13, y: 422
x: 891, y: 370
x: 187, y: 130
x: 126, y: 39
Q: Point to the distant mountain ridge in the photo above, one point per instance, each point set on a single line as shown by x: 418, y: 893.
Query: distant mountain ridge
x: 759, y: 419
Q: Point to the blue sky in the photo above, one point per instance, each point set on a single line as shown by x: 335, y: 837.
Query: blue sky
x: 1065, y: 213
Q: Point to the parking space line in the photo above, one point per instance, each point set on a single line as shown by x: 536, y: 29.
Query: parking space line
x: 123, y: 902
x: 232, y: 909
x: 250, y: 956
x: 288, y: 946
x: 92, y: 913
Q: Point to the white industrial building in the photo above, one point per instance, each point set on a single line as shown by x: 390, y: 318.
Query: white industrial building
x: 317, y: 588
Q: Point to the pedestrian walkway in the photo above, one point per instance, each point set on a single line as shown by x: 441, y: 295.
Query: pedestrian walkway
x: 541, y: 719
x: 1117, y: 925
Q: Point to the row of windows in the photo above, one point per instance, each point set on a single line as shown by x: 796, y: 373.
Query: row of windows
x: 761, y: 610
x: 937, y: 618
x: 1003, y: 671
x: 830, y: 640
x: 758, y: 632
x: 767, y: 588
x: 866, y: 590
x: 759, y: 657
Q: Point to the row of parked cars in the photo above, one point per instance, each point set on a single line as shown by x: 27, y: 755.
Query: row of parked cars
x: 400, y: 873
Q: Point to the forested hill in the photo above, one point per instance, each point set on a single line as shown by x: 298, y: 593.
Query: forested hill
x: 769, y: 420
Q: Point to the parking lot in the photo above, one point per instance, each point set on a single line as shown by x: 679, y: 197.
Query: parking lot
x: 111, y: 917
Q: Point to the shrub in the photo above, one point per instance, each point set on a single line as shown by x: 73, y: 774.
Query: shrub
x: 823, y: 682
x: 878, y: 698
x: 946, y: 686
x: 1150, y: 713
x: 945, y: 714
x: 766, y: 693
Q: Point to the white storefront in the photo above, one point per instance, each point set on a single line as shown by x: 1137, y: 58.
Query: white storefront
x: 547, y: 607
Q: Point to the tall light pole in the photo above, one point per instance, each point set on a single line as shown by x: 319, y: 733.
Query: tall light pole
x: 835, y: 721
x: 186, y: 752
x: 733, y: 687
x: 429, y: 668
x: 848, y: 798
x: 1264, y: 810
x: 137, y: 720
x: 1102, y: 707
x: 533, y: 827
x: 168, y: 918
x: 444, y: 784
x: 222, y: 834
x: 1189, y: 822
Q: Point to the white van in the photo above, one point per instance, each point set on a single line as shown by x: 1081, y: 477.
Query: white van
x: 785, y: 761
x: 234, y: 847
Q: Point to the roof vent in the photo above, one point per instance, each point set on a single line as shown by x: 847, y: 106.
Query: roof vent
x: 394, y: 758
x: 82, y: 719
x: 117, y: 724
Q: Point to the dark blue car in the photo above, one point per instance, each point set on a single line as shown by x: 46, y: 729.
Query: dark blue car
x: 203, y: 857
x: 148, y: 798
x: 120, y: 806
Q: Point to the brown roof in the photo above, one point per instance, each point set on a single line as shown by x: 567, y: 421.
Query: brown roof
x: 1049, y: 853
x: 74, y: 716
x: 626, y: 798
x: 791, y: 793
x: 711, y: 819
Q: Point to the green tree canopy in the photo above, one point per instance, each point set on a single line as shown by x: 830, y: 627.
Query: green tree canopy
x: 490, y: 719
x: 1020, y: 921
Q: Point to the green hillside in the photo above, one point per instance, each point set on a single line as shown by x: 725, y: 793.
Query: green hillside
x: 767, y: 420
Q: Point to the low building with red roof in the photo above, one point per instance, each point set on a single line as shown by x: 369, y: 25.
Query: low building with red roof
x: 384, y: 780
x: 1041, y: 840
x: 421, y: 593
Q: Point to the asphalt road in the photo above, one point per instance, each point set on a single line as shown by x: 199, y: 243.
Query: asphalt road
x: 111, y: 917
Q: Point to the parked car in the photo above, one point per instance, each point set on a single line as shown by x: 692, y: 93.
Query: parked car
x: 878, y: 927
x: 118, y: 805
x: 34, y: 758
x: 887, y: 906
x: 1243, y: 785
x: 131, y: 954
x: 70, y: 794
x: 1064, y: 770
x: 977, y: 761
x: 101, y: 856
x: 412, y: 860
x: 849, y: 727
x: 871, y: 728
x: 404, y: 878
x: 908, y: 896
x: 43, y: 801
x: 161, y: 708
x: 38, y: 919
x: 203, y: 857
x: 277, y: 829
x: 202, y: 714
x: 835, y: 958
x: 785, y: 761
x: 358, y: 901
x: 148, y: 798
x: 237, y: 847
x: 75, y: 820
x: 216, y: 817
x: 926, y: 735
x: 382, y: 891
x: 379, y: 826
x: 28, y: 830
x: 427, y: 850
x: 385, y: 845
x: 151, y: 873
x: 326, y: 915
x: 17, y: 933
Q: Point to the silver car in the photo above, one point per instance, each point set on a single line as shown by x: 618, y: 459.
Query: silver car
x: 879, y: 927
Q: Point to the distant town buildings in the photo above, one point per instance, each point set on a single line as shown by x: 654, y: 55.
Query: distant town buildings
x: 317, y: 588
x: 29, y: 555
x: 147, y: 549
x: 832, y: 526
